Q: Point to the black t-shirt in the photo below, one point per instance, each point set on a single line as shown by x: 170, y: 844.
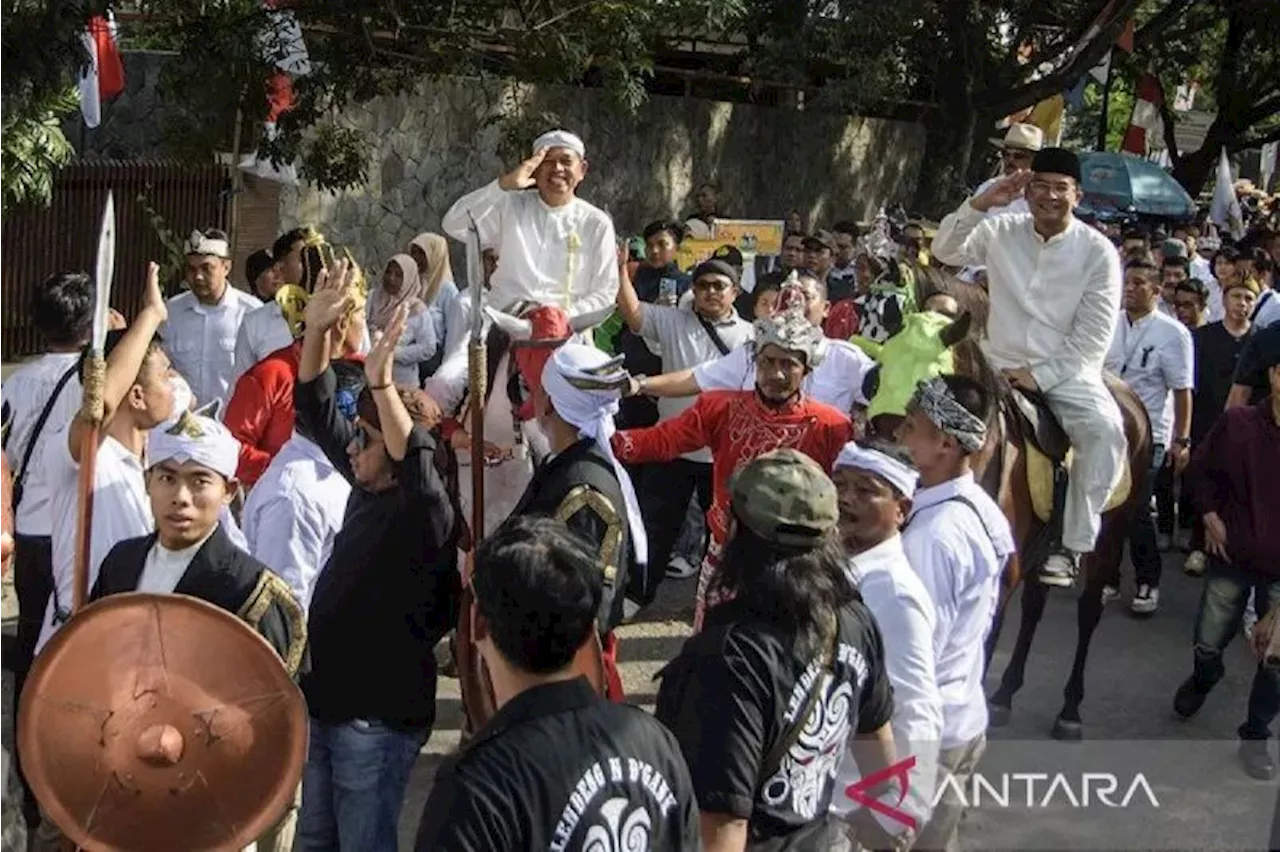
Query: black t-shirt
x: 733, y: 692
x: 1217, y: 352
x: 560, y: 768
x: 1258, y: 352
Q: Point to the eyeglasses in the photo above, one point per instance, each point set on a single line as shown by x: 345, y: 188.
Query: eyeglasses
x: 714, y: 285
x: 364, y: 437
x: 1044, y: 188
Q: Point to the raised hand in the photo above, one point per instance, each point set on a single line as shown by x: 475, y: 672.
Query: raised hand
x: 330, y: 300
x: 1003, y: 192
x: 522, y: 176
x: 379, y: 363
x: 152, y: 297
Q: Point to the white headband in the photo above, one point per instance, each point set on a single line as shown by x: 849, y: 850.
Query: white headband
x: 560, y: 139
x: 198, y: 243
x: 196, y: 438
x: 577, y: 379
x: 891, y: 470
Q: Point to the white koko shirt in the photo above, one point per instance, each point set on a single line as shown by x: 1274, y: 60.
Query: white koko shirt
x: 25, y: 392
x: 201, y: 340
x: 1053, y: 302
x: 959, y: 555
x: 565, y: 256
x: 1154, y: 356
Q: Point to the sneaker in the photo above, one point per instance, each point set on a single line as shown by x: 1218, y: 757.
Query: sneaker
x: 1146, y: 600
x: 1060, y: 569
x: 680, y: 568
x: 1164, y: 542
x: 1195, y: 564
x: 1255, y: 757
x: 1109, y: 593
x: 1188, y: 700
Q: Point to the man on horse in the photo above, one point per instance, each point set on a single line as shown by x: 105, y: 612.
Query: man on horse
x: 1055, y: 286
x: 582, y: 483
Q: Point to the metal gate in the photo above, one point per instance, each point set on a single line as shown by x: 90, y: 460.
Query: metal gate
x: 64, y: 236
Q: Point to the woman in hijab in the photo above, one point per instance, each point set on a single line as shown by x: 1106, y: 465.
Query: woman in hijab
x: 401, y: 285
x: 431, y: 253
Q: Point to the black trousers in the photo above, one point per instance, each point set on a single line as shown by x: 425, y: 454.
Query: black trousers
x: 664, y: 501
x: 33, y: 583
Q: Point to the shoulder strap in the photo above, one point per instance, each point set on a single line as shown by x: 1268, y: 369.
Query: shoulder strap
x: 965, y: 501
x: 1257, y: 308
x: 789, y: 737
x: 20, y: 482
x: 712, y: 333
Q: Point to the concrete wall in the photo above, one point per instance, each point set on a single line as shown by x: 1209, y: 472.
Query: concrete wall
x: 429, y: 148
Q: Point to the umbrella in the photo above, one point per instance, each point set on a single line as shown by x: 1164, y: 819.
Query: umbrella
x: 1125, y: 183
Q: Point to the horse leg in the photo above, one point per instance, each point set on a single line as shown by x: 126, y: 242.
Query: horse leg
x: 1000, y: 705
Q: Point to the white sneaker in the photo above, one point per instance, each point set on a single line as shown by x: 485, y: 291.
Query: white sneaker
x: 679, y: 568
x: 1060, y: 569
x: 1146, y: 600
x: 1109, y: 593
x: 1195, y: 564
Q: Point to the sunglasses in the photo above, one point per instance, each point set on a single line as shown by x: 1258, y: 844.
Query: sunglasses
x: 365, y: 437
x: 715, y: 285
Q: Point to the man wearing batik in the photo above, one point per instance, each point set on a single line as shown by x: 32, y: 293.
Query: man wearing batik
x: 738, y: 425
x: 582, y: 483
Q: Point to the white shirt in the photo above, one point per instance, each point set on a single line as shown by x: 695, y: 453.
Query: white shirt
x: 26, y: 392
x: 836, y: 381
x: 294, y: 513
x: 1053, y: 302
x: 686, y: 344
x: 565, y: 256
x: 1267, y: 310
x: 1018, y: 205
x: 904, y: 613
x: 164, y: 568
x: 263, y: 330
x: 417, y: 344
x: 201, y: 340
x: 121, y: 510
x: 1154, y: 356
x: 959, y: 555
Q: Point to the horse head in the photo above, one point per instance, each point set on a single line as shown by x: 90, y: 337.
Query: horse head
x: 921, y: 350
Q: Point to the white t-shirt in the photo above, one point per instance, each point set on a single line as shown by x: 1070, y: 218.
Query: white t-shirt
x: 121, y: 510
x: 1154, y: 356
x: 201, y: 340
x: 836, y: 381
x: 25, y: 392
x: 1267, y: 310
x: 164, y: 567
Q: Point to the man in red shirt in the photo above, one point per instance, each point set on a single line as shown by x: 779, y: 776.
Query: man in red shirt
x: 1237, y: 492
x: 739, y: 426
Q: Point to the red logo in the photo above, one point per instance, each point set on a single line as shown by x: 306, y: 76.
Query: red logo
x: 860, y: 791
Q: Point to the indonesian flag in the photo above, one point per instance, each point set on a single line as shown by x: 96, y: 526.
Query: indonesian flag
x: 104, y: 78
x: 1146, y: 127
x: 282, y: 40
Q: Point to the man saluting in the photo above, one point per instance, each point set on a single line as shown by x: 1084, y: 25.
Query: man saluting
x: 1055, y: 295
x: 554, y: 248
x: 190, y: 479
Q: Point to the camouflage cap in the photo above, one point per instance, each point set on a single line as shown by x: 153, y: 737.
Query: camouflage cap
x: 784, y: 497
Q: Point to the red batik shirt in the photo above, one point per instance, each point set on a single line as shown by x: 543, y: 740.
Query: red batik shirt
x: 738, y: 427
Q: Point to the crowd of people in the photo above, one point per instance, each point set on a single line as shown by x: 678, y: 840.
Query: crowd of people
x: 290, y: 452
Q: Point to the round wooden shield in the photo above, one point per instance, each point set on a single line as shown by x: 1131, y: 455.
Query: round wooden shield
x: 158, y: 722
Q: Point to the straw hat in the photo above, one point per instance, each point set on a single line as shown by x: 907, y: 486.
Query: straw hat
x: 1025, y: 137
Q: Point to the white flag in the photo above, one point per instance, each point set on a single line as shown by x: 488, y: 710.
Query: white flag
x: 1225, y: 209
x: 1267, y: 164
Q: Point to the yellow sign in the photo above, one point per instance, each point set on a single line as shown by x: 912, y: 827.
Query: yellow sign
x: 693, y: 252
x: 750, y: 235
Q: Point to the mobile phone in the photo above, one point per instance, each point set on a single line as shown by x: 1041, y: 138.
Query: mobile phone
x: 668, y: 290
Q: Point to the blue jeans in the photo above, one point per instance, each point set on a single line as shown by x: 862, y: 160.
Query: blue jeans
x: 1143, y: 552
x: 1222, y: 604
x: 353, y: 786
x: 692, y: 543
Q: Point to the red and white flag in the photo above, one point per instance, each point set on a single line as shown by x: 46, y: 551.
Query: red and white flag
x: 283, y: 41
x: 1146, y: 127
x: 104, y: 78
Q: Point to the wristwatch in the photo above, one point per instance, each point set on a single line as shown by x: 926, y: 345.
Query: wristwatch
x: 1182, y: 442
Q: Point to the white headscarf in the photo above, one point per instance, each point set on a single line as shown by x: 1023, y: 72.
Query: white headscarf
x: 205, y: 441
x: 560, y: 139
x: 585, y: 386
x: 892, y: 471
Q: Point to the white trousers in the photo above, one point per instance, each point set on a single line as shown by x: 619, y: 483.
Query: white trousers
x: 1090, y: 417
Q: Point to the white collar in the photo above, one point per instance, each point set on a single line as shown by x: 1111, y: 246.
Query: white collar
x: 188, y: 553
x: 934, y: 494
x: 885, y: 556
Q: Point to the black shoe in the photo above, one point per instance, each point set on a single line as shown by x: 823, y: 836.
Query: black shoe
x: 1255, y: 757
x: 1188, y: 700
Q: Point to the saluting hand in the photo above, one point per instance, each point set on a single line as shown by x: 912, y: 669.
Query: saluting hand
x: 379, y: 362
x: 522, y: 176
x: 1003, y: 192
x: 152, y: 297
x: 331, y: 299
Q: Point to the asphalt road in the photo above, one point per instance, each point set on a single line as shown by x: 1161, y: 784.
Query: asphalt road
x: 1204, y: 800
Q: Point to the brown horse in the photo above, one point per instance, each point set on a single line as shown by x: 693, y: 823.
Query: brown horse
x: 1001, y: 469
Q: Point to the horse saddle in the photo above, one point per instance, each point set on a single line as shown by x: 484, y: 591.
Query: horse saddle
x: 1048, y: 454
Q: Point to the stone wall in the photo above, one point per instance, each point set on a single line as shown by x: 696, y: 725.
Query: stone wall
x: 429, y: 148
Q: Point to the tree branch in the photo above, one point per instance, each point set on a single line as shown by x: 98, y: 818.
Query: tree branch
x: 1169, y: 122
x: 1257, y: 141
x: 1157, y: 24
x: 1260, y: 111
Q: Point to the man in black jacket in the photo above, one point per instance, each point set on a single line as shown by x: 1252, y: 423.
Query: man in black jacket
x: 387, y: 594
x: 558, y: 767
